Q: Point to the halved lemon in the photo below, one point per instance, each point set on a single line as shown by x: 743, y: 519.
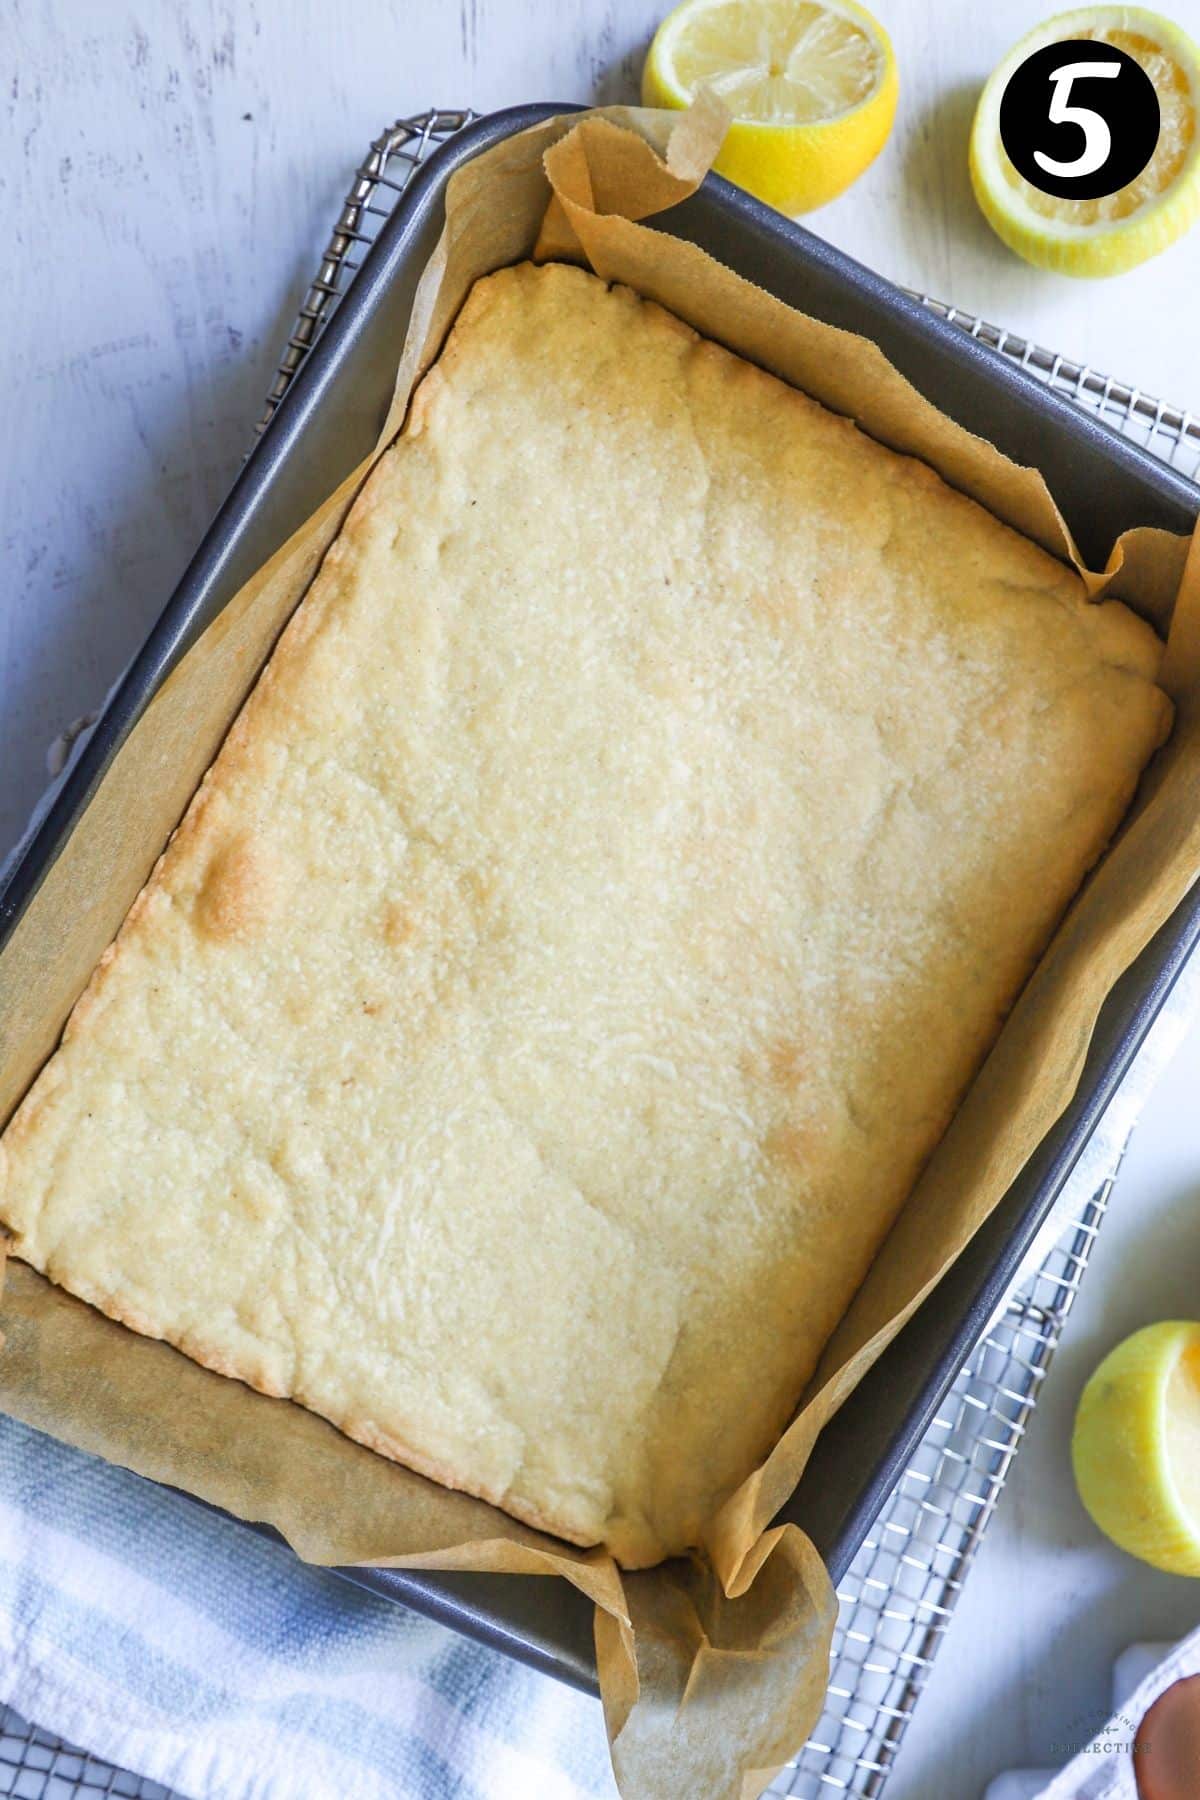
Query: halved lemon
x: 1136, y: 1446
x: 1109, y: 235
x: 810, y: 85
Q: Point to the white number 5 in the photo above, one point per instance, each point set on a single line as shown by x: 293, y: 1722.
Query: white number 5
x: 1097, y: 136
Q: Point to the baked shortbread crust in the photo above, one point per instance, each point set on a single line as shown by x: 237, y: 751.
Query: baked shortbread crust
x: 590, y: 925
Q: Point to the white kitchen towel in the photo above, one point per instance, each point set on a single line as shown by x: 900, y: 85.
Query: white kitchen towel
x: 1105, y: 1769
x: 184, y: 1646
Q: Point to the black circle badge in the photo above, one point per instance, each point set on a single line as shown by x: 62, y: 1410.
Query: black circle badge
x: 1079, y: 119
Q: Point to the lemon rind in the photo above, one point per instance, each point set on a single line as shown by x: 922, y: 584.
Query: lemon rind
x: 1145, y: 1517
x: 1103, y: 247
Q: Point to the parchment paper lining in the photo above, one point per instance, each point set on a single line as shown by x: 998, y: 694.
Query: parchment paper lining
x: 712, y: 1672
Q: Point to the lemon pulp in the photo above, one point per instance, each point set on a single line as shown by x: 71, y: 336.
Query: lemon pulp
x: 1177, y: 132
x: 1181, y: 1409
x: 1117, y: 231
x: 810, y: 86
x: 790, y: 63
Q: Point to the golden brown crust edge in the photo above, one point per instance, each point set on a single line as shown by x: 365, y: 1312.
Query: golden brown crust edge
x: 360, y: 1432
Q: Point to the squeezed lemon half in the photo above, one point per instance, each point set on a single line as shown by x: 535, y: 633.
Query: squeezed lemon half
x: 1114, y: 233
x: 810, y: 86
x: 1136, y: 1446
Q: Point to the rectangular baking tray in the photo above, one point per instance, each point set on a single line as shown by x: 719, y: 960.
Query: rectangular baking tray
x: 328, y: 421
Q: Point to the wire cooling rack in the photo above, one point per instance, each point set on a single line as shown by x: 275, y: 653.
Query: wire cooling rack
x: 35, y: 1765
x: 898, y: 1597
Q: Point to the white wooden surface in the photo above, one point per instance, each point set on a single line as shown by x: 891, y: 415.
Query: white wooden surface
x: 167, y: 174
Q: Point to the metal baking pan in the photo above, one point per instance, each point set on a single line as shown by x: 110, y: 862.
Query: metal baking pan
x: 328, y: 421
